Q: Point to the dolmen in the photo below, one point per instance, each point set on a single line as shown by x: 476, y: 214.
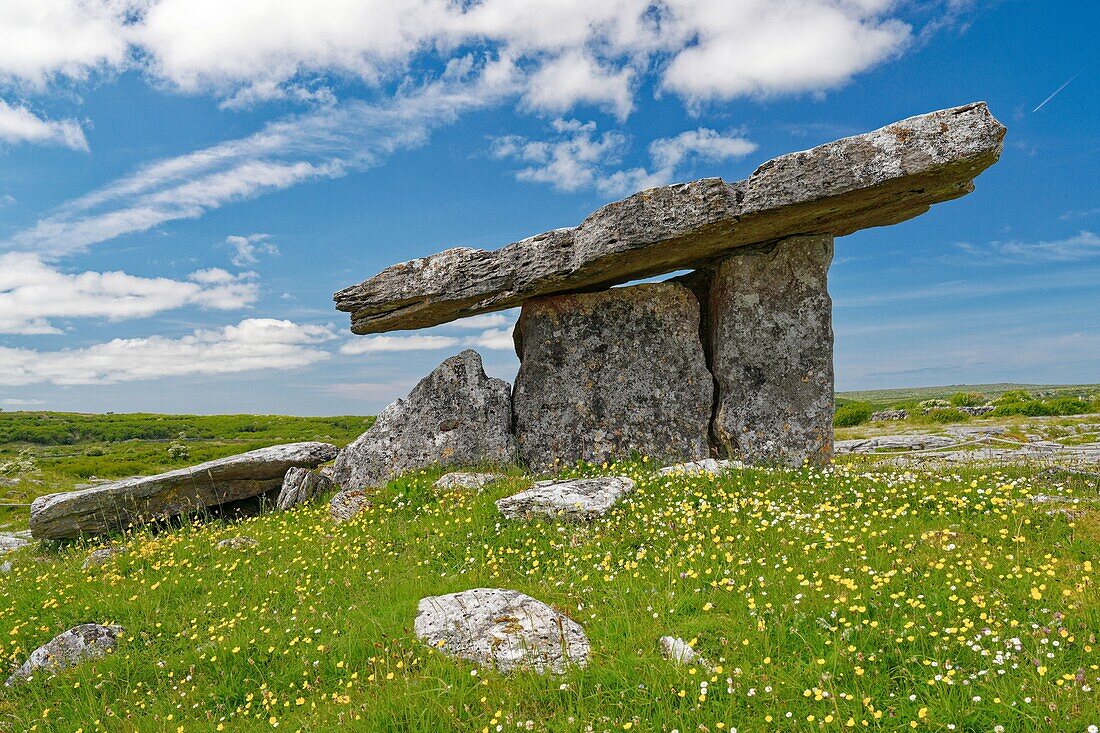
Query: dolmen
x: 118, y: 505
x: 733, y: 360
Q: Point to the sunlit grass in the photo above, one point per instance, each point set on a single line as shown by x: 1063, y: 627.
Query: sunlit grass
x: 831, y: 599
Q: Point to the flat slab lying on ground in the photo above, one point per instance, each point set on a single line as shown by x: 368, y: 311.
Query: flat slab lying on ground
x: 114, y: 506
x: 878, y: 178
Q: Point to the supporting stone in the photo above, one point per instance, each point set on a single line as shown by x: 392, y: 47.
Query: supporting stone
x: 769, y: 339
x: 605, y: 374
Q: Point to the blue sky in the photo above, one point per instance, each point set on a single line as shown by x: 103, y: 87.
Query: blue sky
x: 183, y: 185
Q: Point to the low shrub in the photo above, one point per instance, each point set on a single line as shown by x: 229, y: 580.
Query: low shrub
x: 967, y: 399
x: 945, y: 415
x: 852, y: 413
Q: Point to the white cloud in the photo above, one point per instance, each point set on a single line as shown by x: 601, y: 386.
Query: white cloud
x: 325, y: 143
x: 383, y: 344
x: 494, y: 338
x: 769, y: 47
x: 487, y: 320
x: 578, y: 158
x: 251, y: 345
x: 575, y: 51
x: 1081, y: 246
x: 705, y: 144
x: 20, y: 125
x: 47, y: 38
x: 247, y: 250
x: 576, y: 77
x: 20, y: 402
x: 32, y: 292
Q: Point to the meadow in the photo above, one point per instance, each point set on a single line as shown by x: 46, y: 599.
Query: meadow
x: 847, y: 597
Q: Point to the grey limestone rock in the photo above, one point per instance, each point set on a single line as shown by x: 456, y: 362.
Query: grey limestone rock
x: 874, y: 179
x: 575, y: 499
x: 455, y: 416
x: 347, y: 504
x: 678, y: 651
x: 78, y: 644
x: 99, y: 558
x: 466, y: 480
x: 769, y: 339
x: 894, y: 442
x: 300, y: 486
x: 886, y: 415
x: 237, y: 543
x: 117, y: 505
x: 605, y: 374
x: 502, y: 628
x: 707, y: 465
x: 10, y: 541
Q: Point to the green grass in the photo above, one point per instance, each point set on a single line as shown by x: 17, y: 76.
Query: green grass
x: 888, y: 599
x: 68, y: 449
x: 882, y: 398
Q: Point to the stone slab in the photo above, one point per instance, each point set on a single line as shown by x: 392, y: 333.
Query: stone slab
x: 874, y: 179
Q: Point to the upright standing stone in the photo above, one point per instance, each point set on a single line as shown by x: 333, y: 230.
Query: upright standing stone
x: 769, y: 338
x: 455, y: 416
x: 604, y: 374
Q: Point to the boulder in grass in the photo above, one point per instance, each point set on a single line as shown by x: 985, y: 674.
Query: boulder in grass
x: 301, y: 486
x: 117, y: 505
x: 576, y: 499
x: 455, y: 416
x: 347, y: 504
x: 678, y: 651
x: 99, y: 557
x: 502, y: 628
x: 78, y: 644
x: 695, y: 468
x: 237, y: 543
x: 466, y: 480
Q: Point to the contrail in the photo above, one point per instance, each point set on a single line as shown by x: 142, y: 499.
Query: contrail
x: 1057, y: 91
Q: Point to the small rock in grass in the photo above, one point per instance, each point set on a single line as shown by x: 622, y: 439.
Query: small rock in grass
x: 10, y: 541
x: 465, y: 480
x: 502, y: 628
x: 238, y: 543
x: 581, y: 499
x: 345, y: 505
x: 80, y: 643
x: 5, y: 568
x: 101, y: 556
x: 300, y: 485
x: 707, y: 465
x: 676, y: 650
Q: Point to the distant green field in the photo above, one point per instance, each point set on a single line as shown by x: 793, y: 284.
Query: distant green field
x: 46, y: 452
x: 889, y: 397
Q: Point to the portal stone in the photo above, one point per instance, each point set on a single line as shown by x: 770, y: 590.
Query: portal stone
x: 606, y: 374
x: 769, y: 339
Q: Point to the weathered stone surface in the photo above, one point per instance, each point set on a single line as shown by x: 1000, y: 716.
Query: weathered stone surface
x: 300, y: 486
x: 894, y: 442
x: 114, y: 506
x: 80, y: 643
x: 678, y: 651
x: 502, y: 628
x: 977, y: 410
x: 576, y: 499
x: 707, y: 465
x: 769, y: 339
x: 99, y: 557
x: 11, y: 541
x: 465, y: 480
x: 237, y: 543
x: 878, y: 178
x: 605, y: 374
x: 886, y: 415
x: 455, y: 416
x: 345, y: 505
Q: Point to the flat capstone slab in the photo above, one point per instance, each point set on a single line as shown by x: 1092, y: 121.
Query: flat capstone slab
x: 578, y: 499
x: 878, y: 178
x: 502, y: 628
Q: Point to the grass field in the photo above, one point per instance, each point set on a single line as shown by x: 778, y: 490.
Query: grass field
x: 881, y: 398
x: 829, y: 599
